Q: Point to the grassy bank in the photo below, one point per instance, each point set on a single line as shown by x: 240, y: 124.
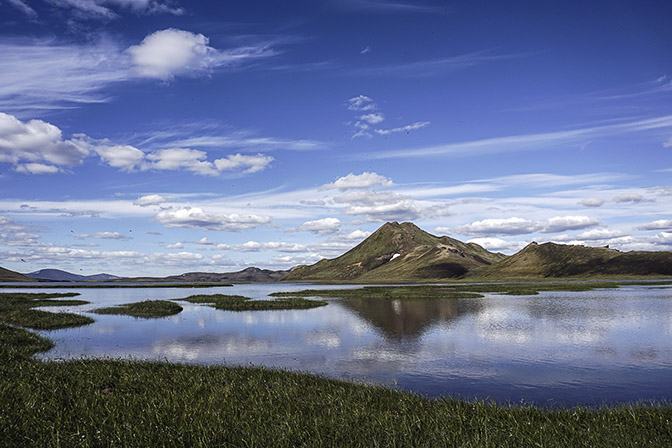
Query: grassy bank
x: 120, y: 403
x: 18, y: 309
x: 147, y: 309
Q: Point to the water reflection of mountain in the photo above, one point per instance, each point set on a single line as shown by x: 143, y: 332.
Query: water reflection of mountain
x: 410, y: 318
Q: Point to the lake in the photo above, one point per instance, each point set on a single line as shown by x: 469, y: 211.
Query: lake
x: 553, y: 349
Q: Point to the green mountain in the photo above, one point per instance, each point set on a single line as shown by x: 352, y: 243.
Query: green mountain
x: 399, y: 252
x: 10, y: 276
x: 550, y: 260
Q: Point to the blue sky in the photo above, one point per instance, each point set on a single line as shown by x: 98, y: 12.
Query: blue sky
x: 155, y: 137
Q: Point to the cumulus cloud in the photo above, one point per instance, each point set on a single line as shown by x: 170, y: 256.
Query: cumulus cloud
x: 353, y: 181
x: 124, y: 157
x: 168, y: 53
x: 277, y: 246
x: 661, y: 224
x: 364, y: 124
x: 631, y: 198
x: 195, y: 217
x: 564, y: 223
x: 325, y: 225
x: 248, y: 163
x: 664, y: 238
x: 38, y: 147
x: 357, y: 235
x: 592, y: 202
x: 177, y: 245
x: 521, y: 226
x: 150, y: 199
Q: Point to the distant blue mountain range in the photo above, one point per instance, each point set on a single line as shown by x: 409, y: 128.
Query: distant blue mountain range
x: 57, y: 275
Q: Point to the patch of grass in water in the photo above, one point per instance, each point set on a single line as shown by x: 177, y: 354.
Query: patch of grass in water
x: 17, y: 309
x: 147, y: 309
x: 112, y: 285
x: 241, y: 303
x: 383, y: 292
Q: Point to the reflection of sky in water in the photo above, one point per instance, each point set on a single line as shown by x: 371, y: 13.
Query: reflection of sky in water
x: 589, y: 347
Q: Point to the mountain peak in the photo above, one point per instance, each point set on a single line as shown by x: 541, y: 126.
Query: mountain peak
x: 399, y: 252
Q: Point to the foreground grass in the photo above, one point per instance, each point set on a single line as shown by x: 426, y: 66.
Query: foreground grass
x: 463, y: 290
x: 241, y: 303
x: 120, y: 403
x: 17, y: 309
x: 147, y: 309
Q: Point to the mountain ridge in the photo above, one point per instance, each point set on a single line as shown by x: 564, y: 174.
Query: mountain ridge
x: 399, y: 252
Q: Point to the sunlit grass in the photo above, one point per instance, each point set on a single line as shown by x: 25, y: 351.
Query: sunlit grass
x: 18, y: 309
x: 241, y: 303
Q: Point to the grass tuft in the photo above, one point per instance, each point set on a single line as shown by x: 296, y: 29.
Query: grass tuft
x: 241, y: 303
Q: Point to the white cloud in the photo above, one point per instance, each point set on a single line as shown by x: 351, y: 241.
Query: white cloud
x: 497, y: 226
x: 357, y: 235
x: 39, y: 143
x: 277, y: 246
x: 564, y: 223
x: 498, y: 245
x: 168, y: 53
x: 361, y: 103
x: 150, y: 199
x: 661, y: 224
x: 407, y: 128
x: 36, y: 168
x: 592, y: 202
x: 103, y: 235
x: 631, y: 198
x: 367, y: 49
x: 177, y: 245
x: 250, y: 163
x: 42, y: 74
x: 195, y: 217
x: 181, y: 158
x: 205, y: 242
x: 521, y: 226
x: 664, y: 238
x: 124, y: 157
x: 364, y: 180
x: 325, y: 225
x: 373, y: 118
x: 668, y: 143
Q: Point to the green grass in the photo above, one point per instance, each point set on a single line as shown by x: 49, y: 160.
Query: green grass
x: 383, y: 292
x: 147, y: 309
x: 240, y: 303
x: 463, y: 290
x: 17, y: 309
x: 87, y: 403
x: 112, y: 285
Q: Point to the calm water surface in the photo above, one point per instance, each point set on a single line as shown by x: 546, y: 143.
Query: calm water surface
x: 556, y: 349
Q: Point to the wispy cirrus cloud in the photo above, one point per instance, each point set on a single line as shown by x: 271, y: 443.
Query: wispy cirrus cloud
x: 523, y: 142
x: 44, y: 74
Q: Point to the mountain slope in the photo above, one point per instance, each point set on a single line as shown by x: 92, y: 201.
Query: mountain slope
x: 56, y: 275
x: 560, y: 261
x: 10, y: 276
x: 399, y: 252
x: 247, y: 275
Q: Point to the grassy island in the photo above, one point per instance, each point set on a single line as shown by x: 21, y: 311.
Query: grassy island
x: 241, y: 303
x: 147, y: 309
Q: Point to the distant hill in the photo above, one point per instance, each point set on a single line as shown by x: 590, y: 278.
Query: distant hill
x: 10, y: 276
x: 550, y: 260
x: 56, y: 275
x: 248, y: 275
x: 399, y: 252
